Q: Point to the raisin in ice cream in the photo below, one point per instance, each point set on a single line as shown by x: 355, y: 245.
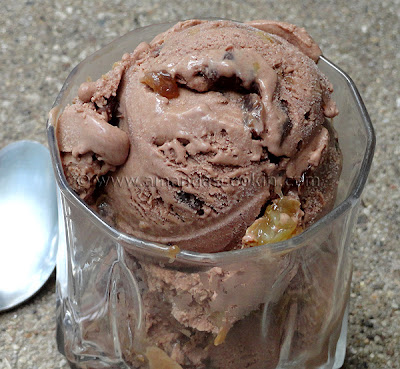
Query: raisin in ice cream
x: 190, y: 136
x: 215, y: 136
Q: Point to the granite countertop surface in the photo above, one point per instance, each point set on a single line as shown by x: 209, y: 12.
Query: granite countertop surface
x: 42, y: 40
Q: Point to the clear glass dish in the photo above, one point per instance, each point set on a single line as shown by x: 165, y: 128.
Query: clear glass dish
x: 127, y: 303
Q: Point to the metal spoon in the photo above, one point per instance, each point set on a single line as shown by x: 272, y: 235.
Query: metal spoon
x: 28, y: 221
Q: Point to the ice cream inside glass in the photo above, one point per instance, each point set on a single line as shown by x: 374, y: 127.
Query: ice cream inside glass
x: 209, y: 183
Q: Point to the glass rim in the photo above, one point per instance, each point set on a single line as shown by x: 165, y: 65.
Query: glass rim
x: 222, y: 257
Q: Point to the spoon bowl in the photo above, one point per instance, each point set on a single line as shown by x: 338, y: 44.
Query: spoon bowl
x: 28, y: 221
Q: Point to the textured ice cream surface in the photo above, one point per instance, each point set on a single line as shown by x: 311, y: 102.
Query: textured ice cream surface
x: 219, y: 118
x: 216, y: 299
x: 198, y: 316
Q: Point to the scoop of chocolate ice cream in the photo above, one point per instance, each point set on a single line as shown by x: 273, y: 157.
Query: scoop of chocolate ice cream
x: 219, y: 116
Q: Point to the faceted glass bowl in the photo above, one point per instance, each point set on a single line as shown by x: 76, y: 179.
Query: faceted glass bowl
x: 123, y: 302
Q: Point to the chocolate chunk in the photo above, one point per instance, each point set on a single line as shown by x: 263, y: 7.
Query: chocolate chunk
x: 286, y: 128
x: 190, y: 200
x: 255, y: 88
x: 273, y: 158
x: 284, y: 106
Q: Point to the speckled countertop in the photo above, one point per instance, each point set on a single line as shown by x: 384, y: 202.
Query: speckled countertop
x: 42, y: 40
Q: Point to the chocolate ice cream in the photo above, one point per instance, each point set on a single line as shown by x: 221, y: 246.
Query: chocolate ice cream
x: 221, y: 118
x: 214, y: 137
